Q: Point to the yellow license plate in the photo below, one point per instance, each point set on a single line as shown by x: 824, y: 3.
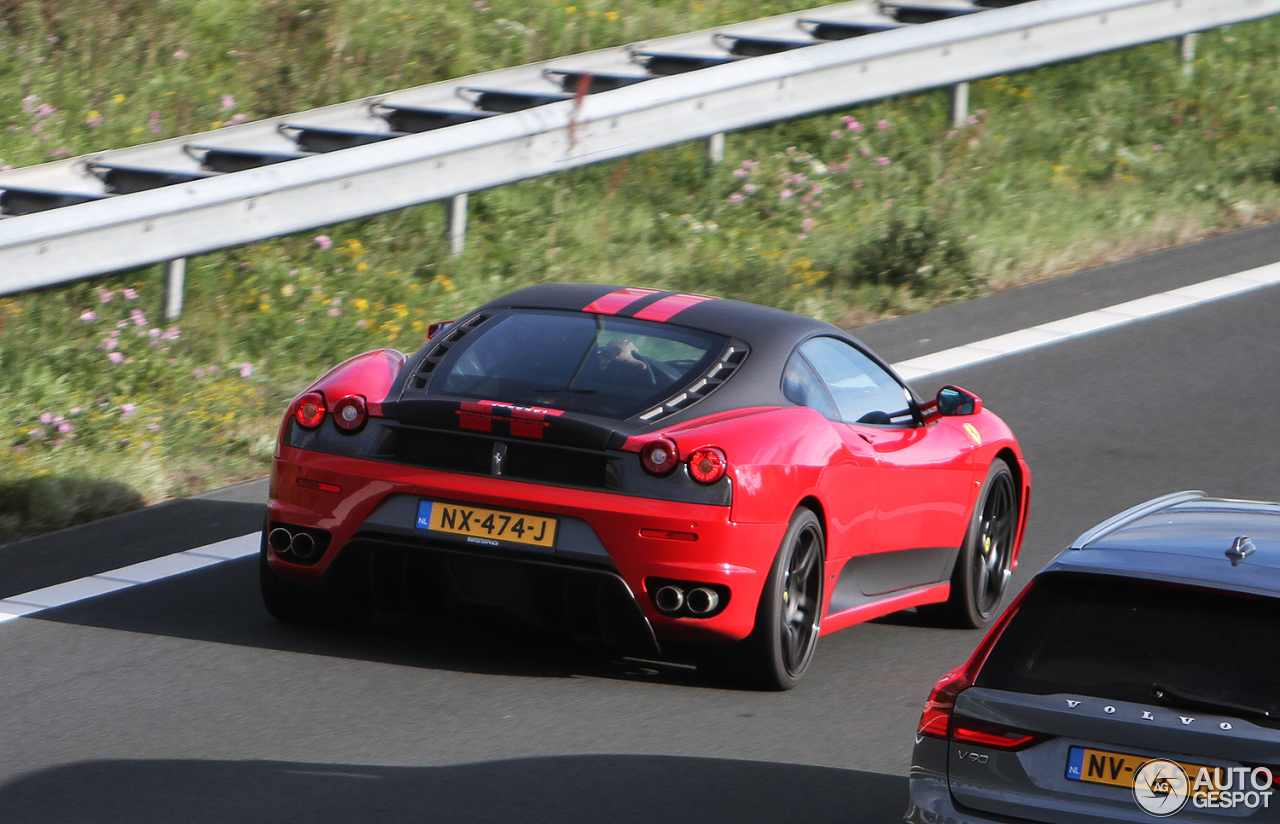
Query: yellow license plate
x: 487, y: 527
x: 1113, y: 768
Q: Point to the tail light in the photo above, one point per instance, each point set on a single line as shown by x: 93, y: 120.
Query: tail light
x: 350, y: 413
x: 986, y: 734
x: 708, y: 464
x: 310, y: 410
x: 935, y: 721
x: 660, y: 456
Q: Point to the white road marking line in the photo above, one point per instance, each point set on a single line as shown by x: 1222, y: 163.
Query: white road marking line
x: 1086, y: 324
x: 167, y: 566
x: 157, y: 569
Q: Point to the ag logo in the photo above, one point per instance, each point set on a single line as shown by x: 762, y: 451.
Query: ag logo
x: 1161, y: 787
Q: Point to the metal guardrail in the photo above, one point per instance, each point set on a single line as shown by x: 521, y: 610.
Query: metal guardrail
x: 513, y: 124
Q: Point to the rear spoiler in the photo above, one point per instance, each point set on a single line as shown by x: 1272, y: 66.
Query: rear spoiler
x: 508, y: 420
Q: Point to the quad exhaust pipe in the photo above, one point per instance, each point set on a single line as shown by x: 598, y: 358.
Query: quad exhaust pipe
x: 300, y: 545
x: 699, y: 601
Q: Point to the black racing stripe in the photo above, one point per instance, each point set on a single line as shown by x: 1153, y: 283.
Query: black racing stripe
x: 636, y: 306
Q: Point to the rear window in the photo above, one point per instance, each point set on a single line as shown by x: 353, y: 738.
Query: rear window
x: 1117, y: 638
x: 581, y: 362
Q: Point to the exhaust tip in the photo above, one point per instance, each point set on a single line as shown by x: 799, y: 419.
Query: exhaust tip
x: 702, y: 600
x: 303, y: 545
x: 279, y: 540
x: 669, y: 598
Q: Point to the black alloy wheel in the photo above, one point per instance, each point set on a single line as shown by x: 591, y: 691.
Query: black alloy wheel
x: 778, y: 652
x: 981, y: 572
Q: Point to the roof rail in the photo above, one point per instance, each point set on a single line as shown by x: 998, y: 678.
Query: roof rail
x: 1134, y: 514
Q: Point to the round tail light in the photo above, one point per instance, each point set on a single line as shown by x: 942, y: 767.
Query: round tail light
x: 350, y: 413
x: 660, y: 456
x: 708, y: 464
x: 310, y: 410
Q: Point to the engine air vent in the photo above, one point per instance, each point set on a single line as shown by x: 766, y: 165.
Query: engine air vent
x: 714, y: 378
x: 437, y: 353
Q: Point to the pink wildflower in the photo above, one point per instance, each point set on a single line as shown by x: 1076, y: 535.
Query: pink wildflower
x: 324, y: 242
x: 736, y: 198
x: 65, y: 428
x: 109, y: 344
x: 129, y: 294
x: 127, y: 409
x: 246, y: 369
x: 883, y: 161
x: 785, y: 194
x: 864, y: 151
x: 88, y: 316
x: 115, y: 357
x: 46, y: 418
x: 180, y: 54
x: 228, y: 102
x: 883, y: 125
x: 751, y: 188
x: 104, y: 296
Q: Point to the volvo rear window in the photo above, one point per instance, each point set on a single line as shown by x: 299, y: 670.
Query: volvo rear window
x: 576, y: 361
x: 1127, y: 640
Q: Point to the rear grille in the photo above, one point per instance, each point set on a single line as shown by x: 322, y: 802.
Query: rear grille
x: 457, y: 452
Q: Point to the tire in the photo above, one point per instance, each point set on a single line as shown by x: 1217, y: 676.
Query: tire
x: 980, y: 575
x: 780, y: 648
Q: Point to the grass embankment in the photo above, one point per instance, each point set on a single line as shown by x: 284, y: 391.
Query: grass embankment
x: 881, y: 209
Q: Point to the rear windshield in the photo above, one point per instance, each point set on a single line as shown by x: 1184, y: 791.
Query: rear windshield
x: 1119, y: 638
x: 580, y: 362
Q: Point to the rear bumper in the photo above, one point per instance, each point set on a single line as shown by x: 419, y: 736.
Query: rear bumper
x: 375, y: 499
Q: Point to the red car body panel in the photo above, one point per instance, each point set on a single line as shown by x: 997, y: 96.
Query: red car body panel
x: 876, y: 490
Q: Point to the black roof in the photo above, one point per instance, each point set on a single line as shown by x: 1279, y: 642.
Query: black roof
x: 1185, y: 538
x: 757, y: 325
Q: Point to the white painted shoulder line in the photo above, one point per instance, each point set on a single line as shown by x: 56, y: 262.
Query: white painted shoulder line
x: 1060, y: 330
x: 156, y: 569
x: 984, y: 350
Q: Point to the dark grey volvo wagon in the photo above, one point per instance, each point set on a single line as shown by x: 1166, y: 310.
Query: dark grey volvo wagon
x: 1136, y: 677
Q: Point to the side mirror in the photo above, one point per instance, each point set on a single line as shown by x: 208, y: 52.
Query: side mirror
x: 438, y: 327
x: 953, y: 401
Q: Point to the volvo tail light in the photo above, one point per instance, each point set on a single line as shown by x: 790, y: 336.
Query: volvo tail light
x: 708, y: 464
x: 660, y: 456
x: 310, y: 410
x: 936, y: 720
x: 986, y: 734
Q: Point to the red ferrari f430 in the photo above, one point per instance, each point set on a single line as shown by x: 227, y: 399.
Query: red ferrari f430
x: 649, y: 468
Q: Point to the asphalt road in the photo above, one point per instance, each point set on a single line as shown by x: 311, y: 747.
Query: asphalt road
x: 183, y: 701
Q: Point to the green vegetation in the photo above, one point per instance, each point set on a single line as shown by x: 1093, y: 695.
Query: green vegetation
x: 850, y: 215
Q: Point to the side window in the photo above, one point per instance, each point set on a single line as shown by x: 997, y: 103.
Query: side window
x: 863, y: 391
x: 802, y: 386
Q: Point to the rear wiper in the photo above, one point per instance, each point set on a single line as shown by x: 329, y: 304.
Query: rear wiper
x: 1181, y: 698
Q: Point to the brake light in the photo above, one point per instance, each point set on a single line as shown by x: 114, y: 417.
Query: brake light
x: 310, y: 410
x: 350, y: 413
x: 987, y: 734
x: 708, y: 464
x: 660, y: 456
x: 935, y: 721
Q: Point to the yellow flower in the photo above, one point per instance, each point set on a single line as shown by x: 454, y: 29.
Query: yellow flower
x: 354, y: 245
x: 94, y: 113
x: 418, y: 326
x: 118, y: 99
x: 262, y: 307
x: 611, y: 16
x: 592, y: 13
x: 570, y: 9
x: 360, y: 303
x: 361, y: 266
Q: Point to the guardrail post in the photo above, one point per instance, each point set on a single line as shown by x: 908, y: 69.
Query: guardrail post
x: 1187, y: 46
x: 715, y: 148
x: 455, y: 222
x: 175, y: 281
x: 959, y: 104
